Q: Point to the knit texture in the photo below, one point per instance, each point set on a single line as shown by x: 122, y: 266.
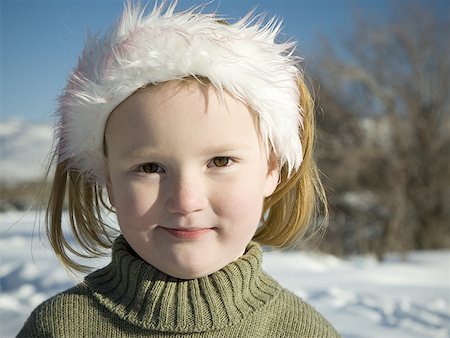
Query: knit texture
x: 130, y: 298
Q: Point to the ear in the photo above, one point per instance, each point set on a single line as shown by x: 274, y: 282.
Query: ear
x: 272, y: 177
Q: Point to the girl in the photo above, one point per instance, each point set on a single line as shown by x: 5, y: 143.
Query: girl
x: 198, y: 131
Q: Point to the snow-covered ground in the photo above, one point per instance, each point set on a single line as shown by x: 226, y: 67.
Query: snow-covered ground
x: 24, y: 150
x: 399, y: 298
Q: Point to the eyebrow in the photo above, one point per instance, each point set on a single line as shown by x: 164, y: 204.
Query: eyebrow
x: 226, y: 148
x: 209, y: 150
x: 139, y: 153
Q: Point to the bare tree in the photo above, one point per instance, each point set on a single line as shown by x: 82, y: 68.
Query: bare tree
x: 385, y: 132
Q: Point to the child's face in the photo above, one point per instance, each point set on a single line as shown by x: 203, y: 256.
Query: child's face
x: 187, y: 176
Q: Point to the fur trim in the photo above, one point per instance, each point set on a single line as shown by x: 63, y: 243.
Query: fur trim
x: 140, y: 49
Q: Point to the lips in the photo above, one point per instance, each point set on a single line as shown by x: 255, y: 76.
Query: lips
x: 193, y: 233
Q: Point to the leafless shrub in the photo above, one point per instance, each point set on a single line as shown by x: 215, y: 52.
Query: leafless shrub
x: 385, y: 133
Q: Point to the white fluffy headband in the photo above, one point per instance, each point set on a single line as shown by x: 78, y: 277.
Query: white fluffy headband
x: 141, y: 49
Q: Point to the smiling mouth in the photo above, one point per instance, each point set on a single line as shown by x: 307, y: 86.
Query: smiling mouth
x: 187, y: 233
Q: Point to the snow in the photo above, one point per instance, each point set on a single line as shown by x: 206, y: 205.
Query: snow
x: 402, y: 297
x: 24, y: 150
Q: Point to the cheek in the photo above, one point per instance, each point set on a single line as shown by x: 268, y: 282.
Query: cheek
x: 135, y: 205
x: 241, y: 203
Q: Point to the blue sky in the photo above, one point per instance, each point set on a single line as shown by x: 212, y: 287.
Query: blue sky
x: 41, y: 39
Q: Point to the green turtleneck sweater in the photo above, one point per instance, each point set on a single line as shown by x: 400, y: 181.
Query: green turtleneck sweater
x: 130, y: 298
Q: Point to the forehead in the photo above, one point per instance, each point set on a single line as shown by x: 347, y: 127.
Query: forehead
x: 199, y: 87
x: 186, y: 110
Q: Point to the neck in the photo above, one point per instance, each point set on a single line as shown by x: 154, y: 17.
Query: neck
x: 145, y: 296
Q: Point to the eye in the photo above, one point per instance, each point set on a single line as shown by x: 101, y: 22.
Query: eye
x: 221, y: 161
x: 150, y: 168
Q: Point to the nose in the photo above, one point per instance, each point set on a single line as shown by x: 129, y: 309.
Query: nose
x: 186, y: 195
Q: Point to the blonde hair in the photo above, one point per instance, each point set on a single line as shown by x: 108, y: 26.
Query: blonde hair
x: 298, y: 207
x: 288, y: 214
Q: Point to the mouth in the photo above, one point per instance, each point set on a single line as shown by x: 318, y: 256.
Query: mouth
x: 193, y: 233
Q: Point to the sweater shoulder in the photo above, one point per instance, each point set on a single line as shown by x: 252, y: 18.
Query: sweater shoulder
x: 294, y: 317
x: 56, y: 313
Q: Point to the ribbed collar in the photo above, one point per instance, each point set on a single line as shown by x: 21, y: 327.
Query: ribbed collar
x: 139, y: 293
